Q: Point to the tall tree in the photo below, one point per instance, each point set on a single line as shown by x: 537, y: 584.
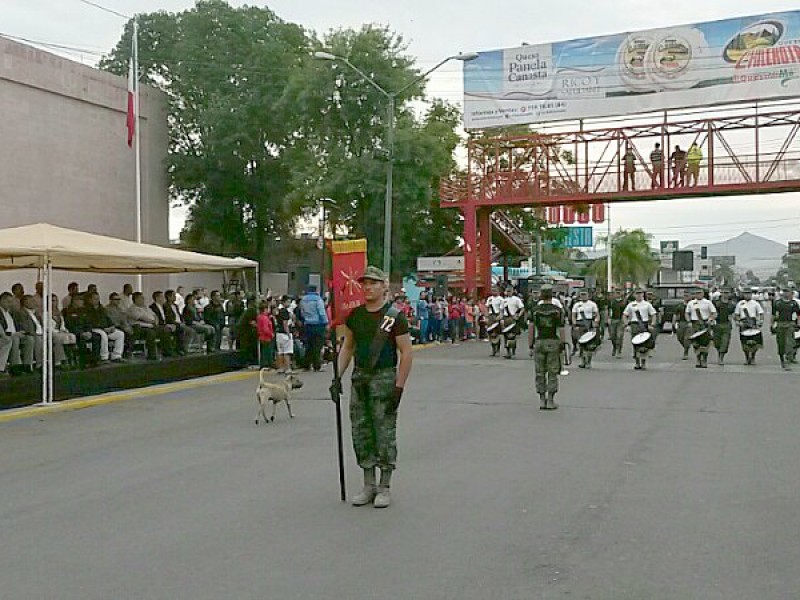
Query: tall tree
x: 342, y: 122
x: 631, y: 259
x: 225, y: 72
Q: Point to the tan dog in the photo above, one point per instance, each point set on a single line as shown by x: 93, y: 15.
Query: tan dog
x: 268, y: 391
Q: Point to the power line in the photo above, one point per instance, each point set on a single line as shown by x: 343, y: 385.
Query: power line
x: 103, y: 8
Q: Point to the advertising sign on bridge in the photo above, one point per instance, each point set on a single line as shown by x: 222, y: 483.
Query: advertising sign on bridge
x: 576, y: 237
x: 720, y: 62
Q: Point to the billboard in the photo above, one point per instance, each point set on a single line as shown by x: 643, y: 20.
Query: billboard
x: 734, y: 60
x: 440, y: 263
x: 575, y: 237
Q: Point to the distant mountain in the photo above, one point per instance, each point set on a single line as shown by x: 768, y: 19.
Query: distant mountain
x: 753, y: 252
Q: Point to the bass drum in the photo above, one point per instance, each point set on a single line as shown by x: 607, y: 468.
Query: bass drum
x: 643, y: 342
x: 589, y: 341
x: 701, y: 339
x: 510, y: 326
x: 752, y: 337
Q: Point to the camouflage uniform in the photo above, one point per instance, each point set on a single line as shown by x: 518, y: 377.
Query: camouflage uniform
x: 547, y: 357
x: 373, y: 415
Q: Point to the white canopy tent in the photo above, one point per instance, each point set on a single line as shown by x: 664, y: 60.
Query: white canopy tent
x: 46, y: 247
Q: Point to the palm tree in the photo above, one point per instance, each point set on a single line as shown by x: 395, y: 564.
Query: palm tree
x: 631, y: 259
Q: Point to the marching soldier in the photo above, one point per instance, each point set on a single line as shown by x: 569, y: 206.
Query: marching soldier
x: 640, y: 315
x: 726, y: 309
x: 750, y: 316
x: 658, y: 306
x: 616, y: 328
x: 785, y: 321
x: 702, y: 314
x: 547, y: 323
x: 494, y: 305
x: 681, y: 325
x: 513, y: 309
x: 374, y: 333
x: 585, y: 318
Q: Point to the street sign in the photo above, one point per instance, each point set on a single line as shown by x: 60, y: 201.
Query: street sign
x: 440, y: 263
x: 576, y: 237
x: 794, y: 247
x: 668, y: 247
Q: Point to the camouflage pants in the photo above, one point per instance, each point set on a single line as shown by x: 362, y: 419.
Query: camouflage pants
x: 722, y: 337
x: 683, y: 329
x: 373, y: 421
x: 547, y: 363
x: 784, y: 335
x: 617, y: 331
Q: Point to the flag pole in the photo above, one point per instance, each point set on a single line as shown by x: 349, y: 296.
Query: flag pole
x: 137, y: 139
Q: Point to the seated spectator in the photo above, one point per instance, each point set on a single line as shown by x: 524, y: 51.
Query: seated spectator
x: 214, y: 315
x: 234, y: 309
x: 18, y: 291
x: 88, y: 343
x: 174, y: 318
x: 167, y: 331
x: 126, y: 300
x: 192, y: 319
x: 62, y: 336
x: 72, y: 290
x: 119, y: 318
x: 31, y: 325
x: 144, y: 324
x: 38, y: 302
x: 112, y: 340
x: 18, y: 345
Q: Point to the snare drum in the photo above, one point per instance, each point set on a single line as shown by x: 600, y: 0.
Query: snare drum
x: 701, y: 339
x: 589, y: 341
x: 796, y: 339
x: 643, y: 342
x: 493, y: 328
x: 751, y: 337
x: 509, y: 326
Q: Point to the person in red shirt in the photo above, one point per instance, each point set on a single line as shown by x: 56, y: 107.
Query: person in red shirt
x: 266, y: 334
x: 454, y: 318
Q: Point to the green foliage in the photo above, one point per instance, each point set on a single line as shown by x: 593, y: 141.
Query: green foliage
x: 790, y: 269
x: 260, y: 132
x: 631, y: 259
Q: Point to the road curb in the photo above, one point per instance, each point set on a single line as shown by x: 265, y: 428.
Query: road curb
x: 27, y: 412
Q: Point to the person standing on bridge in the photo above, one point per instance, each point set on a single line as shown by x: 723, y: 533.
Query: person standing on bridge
x: 629, y: 169
x: 374, y: 333
x: 693, y: 160
x: 547, y: 332
x: 657, y: 162
x: 678, y: 162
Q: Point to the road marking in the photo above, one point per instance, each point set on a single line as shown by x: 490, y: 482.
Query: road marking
x: 112, y: 397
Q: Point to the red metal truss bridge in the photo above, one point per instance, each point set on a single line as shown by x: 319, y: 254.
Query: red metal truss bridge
x: 586, y: 167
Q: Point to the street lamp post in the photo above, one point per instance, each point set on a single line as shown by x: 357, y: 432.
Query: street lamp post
x: 391, y: 97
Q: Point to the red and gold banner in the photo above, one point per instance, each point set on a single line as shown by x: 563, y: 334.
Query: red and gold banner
x: 348, y: 261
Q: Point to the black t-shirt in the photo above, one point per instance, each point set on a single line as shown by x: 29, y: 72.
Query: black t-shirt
x: 364, y: 325
x: 285, y: 320
x: 548, y: 319
x: 617, y: 307
x: 725, y: 311
x: 783, y: 311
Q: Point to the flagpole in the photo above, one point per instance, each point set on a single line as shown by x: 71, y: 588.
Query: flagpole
x: 137, y: 139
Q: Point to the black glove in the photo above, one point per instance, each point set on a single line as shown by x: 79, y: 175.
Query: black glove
x: 336, y: 389
x: 398, y: 393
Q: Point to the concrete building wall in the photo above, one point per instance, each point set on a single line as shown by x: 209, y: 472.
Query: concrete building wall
x: 64, y: 157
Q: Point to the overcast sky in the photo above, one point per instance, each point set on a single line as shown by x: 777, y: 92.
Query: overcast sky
x: 438, y: 29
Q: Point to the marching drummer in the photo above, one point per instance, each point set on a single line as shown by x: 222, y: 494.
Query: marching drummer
x: 494, y: 305
x: 702, y: 314
x: 726, y: 309
x: 640, y: 315
x: 785, y: 321
x: 513, y: 309
x: 750, y: 316
x: 585, y: 319
x: 681, y: 325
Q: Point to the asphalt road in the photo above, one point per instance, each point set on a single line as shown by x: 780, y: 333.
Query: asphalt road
x: 674, y: 483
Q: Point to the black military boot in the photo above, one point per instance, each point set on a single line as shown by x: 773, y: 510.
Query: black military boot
x: 542, y: 402
x: 551, y: 403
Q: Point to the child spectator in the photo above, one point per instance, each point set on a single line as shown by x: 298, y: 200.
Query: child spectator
x: 266, y: 335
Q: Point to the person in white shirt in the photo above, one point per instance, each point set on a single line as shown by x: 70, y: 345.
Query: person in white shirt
x: 179, y: 299
x: 494, y: 307
x: 641, y: 316
x: 585, y: 318
x: 20, y: 354
x: 513, y: 307
x: 749, y: 315
x: 702, y: 314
